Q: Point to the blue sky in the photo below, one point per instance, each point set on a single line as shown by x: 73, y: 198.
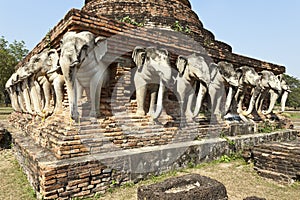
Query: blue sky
x: 267, y: 30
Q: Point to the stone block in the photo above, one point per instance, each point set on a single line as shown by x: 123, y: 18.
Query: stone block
x: 192, y: 186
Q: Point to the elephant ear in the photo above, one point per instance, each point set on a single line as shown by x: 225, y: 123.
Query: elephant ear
x: 280, y: 77
x: 52, y: 62
x: 214, y: 71
x: 139, y: 56
x: 100, y: 48
x: 83, y: 53
x: 52, y: 58
x: 181, y: 64
x: 239, y: 74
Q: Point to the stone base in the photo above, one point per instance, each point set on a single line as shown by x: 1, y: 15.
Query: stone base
x: 87, y: 175
x: 278, y: 160
x: 192, y: 186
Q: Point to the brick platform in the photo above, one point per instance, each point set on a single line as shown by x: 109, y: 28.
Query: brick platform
x: 65, y: 177
x: 279, y: 161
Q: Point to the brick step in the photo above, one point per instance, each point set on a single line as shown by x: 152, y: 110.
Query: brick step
x: 279, y: 161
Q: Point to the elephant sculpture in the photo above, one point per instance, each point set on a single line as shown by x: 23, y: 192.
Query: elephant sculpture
x: 269, y: 84
x: 82, y: 67
x: 248, y: 79
x: 285, y: 92
x: 193, y: 69
x: 154, y: 72
x: 46, y: 74
x: 231, y: 80
x: 20, y: 82
x: 11, y: 88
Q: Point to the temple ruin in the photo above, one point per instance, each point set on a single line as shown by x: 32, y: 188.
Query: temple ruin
x: 65, y: 159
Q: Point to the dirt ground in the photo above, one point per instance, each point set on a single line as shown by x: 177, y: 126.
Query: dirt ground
x: 240, y: 180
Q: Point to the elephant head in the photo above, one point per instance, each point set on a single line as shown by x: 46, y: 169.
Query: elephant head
x: 153, y: 66
x: 231, y: 78
x: 81, y: 54
x: 248, y: 78
x: 228, y: 73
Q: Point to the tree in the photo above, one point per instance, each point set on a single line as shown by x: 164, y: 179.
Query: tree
x: 294, y: 96
x: 10, y: 56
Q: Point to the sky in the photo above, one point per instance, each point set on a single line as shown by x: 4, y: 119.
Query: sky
x: 266, y: 30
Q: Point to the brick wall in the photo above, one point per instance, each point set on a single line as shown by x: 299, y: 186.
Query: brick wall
x: 278, y: 161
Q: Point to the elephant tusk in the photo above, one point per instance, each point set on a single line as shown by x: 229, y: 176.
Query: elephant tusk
x: 200, y: 96
x: 159, y: 105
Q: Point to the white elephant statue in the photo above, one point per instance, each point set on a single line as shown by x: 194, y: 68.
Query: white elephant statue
x: 231, y: 80
x: 11, y: 88
x: 82, y: 67
x: 269, y: 85
x: 20, y: 82
x: 285, y: 92
x: 46, y: 73
x: 248, y: 79
x: 153, y: 67
x: 193, y: 70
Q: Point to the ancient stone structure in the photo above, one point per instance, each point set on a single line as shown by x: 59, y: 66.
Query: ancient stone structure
x: 278, y: 161
x: 65, y: 159
x: 192, y: 186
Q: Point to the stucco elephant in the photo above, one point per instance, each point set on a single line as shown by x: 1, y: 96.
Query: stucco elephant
x: 231, y: 80
x: 11, y: 88
x: 269, y: 84
x: 285, y: 92
x: 153, y: 67
x: 45, y: 72
x: 248, y: 79
x: 20, y: 82
x: 194, y: 70
x: 82, y: 67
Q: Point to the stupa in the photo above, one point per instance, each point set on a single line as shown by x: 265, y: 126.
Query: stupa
x: 64, y: 160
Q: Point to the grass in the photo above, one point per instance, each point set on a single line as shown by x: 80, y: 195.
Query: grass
x: 239, y: 178
x: 4, y: 112
x: 13, y: 184
x: 295, y: 115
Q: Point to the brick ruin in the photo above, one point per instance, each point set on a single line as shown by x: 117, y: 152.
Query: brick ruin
x: 278, y: 161
x: 64, y: 159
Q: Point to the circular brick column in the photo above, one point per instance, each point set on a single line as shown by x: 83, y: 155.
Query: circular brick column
x: 151, y: 12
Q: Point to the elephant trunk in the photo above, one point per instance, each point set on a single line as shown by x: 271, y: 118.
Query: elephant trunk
x: 72, y: 98
x: 273, y: 99
x: 283, y: 100
x: 159, y: 105
x: 14, y: 100
x: 255, y: 93
x: 228, y: 99
x: 35, y: 98
x: 200, y: 96
x: 21, y: 99
x: 27, y: 100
